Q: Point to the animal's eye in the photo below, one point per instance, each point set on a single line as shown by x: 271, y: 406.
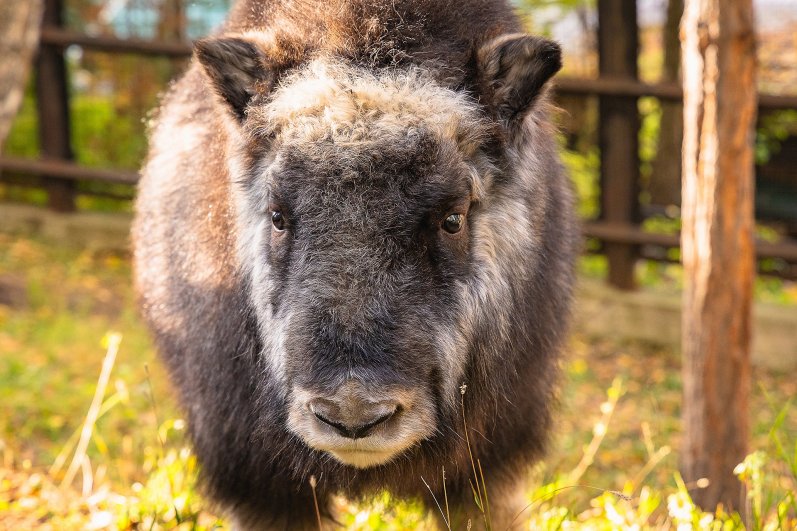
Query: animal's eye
x: 278, y: 220
x: 453, y: 223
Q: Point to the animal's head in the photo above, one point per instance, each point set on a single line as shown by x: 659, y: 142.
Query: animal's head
x: 386, y: 227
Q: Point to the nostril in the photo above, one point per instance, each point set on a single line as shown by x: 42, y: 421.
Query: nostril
x: 339, y: 427
x: 365, y: 429
x: 350, y: 424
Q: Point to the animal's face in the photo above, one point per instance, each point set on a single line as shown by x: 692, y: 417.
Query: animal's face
x: 356, y: 219
x: 379, y: 250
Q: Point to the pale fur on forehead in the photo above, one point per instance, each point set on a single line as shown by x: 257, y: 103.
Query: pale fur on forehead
x: 340, y: 103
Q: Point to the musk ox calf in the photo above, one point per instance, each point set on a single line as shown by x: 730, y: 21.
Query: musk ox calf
x: 349, y: 209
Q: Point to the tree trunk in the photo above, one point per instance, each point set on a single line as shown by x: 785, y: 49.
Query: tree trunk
x: 665, y: 177
x: 19, y: 36
x: 717, y: 242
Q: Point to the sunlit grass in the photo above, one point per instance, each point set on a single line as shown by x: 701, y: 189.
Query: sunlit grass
x: 167, y: 498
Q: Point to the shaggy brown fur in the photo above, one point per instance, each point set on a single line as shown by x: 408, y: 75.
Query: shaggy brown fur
x: 291, y: 243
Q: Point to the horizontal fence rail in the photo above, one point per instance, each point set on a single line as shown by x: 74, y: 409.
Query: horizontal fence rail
x: 625, y: 87
x: 634, y: 235
x: 63, y: 169
x: 55, y: 36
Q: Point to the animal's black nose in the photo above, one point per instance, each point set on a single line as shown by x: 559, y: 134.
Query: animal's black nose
x: 352, y: 417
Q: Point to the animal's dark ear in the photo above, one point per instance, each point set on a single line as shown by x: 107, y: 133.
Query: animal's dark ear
x: 513, y: 70
x: 237, y: 70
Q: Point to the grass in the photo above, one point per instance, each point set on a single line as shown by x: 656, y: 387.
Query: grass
x: 613, y: 464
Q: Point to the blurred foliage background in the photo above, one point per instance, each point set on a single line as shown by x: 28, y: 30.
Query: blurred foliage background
x: 618, y: 430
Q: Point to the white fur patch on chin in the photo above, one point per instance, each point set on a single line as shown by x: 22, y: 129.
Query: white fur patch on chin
x: 361, y: 458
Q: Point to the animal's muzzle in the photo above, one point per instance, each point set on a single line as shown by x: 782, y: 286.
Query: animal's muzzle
x: 360, y: 425
x: 352, y: 416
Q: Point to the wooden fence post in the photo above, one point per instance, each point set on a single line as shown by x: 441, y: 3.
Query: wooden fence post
x: 718, y: 46
x: 53, y: 110
x: 618, y: 136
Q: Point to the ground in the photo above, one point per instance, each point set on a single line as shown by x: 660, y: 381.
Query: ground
x: 63, y: 311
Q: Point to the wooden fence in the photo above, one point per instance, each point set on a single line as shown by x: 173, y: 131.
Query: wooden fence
x: 618, y: 89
